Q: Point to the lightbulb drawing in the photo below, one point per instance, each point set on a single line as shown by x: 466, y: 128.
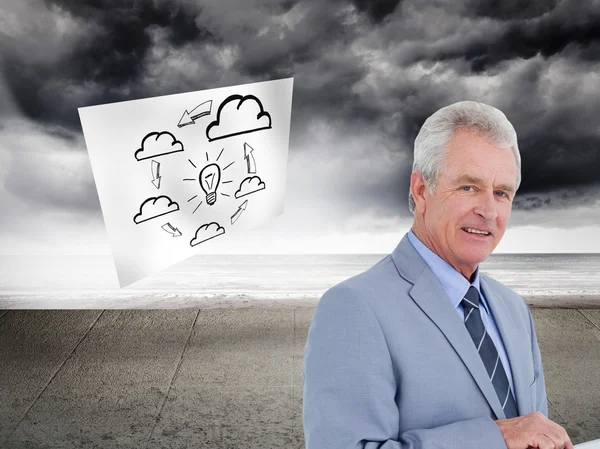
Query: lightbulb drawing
x: 209, y: 179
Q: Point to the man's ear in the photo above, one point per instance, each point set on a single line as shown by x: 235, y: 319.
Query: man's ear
x: 419, y: 190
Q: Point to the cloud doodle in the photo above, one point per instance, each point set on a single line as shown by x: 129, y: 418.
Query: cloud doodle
x: 206, y: 232
x: 158, y: 144
x: 238, y: 115
x: 155, y: 207
x: 250, y: 185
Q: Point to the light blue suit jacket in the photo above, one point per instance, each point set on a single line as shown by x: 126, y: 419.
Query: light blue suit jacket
x: 389, y: 364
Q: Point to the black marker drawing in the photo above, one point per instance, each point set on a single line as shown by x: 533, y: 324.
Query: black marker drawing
x: 250, y: 162
x: 157, y: 144
x: 199, y: 111
x: 168, y: 227
x: 155, y: 207
x: 209, y: 178
x: 238, y: 115
x: 206, y: 232
x: 220, y: 154
x: 237, y: 214
x: 155, y: 173
x: 250, y: 185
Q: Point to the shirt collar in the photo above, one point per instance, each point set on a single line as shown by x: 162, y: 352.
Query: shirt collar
x: 454, y: 284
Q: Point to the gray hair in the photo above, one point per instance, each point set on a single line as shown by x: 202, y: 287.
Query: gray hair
x: 432, y: 141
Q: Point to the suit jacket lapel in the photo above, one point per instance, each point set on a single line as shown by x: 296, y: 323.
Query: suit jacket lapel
x: 514, y: 348
x: 429, y: 295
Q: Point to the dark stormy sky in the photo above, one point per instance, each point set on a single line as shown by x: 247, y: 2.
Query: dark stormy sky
x: 366, y: 75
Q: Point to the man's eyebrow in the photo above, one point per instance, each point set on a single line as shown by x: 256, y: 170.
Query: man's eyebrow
x: 475, y: 180
x: 469, y: 180
x: 506, y: 188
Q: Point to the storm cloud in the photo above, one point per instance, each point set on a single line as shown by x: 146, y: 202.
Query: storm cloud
x: 367, y: 74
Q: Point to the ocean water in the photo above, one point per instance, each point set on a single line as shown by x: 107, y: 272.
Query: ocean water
x: 91, y: 281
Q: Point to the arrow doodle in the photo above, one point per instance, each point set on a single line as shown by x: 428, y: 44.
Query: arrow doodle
x: 168, y: 227
x: 155, y: 173
x: 250, y: 162
x: 237, y: 214
x: 199, y: 111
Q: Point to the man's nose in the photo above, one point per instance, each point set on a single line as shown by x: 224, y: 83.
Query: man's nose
x: 486, y: 206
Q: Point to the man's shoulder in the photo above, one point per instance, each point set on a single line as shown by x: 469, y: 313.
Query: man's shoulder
x: 513, y: 299
x: 375, y: 279
x: 497, y: 285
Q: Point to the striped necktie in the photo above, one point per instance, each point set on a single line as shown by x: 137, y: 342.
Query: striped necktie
x: 488, y: 353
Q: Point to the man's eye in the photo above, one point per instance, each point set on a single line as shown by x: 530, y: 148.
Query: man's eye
x: 499, y: 193
x: 466, y: 188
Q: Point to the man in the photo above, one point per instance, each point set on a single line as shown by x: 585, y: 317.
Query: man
x: 423, y: 350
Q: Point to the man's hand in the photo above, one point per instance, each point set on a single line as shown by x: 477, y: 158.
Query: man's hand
x: 533, y: 430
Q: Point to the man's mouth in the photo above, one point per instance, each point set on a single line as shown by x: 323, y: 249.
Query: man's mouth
x: 476, y: 231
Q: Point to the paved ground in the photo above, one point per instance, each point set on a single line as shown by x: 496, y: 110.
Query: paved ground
x: 214, y: 378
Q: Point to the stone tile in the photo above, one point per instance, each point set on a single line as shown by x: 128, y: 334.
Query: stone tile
x: 593, y: 315
x: 297, y: 400
x: 297, y: 372
x: 247, y: 347
x: 128, y: 348
x: 570, y: 347
x: 214, y: 416
x: 303, y: 316
x: 554, y: 415
x: 33, y: 345
x: 224, y: 436
x: 109, y: 418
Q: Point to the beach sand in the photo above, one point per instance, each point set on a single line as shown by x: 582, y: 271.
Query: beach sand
x: 217, y: 374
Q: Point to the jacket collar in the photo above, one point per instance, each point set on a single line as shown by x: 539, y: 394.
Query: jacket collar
x: 429, y: 295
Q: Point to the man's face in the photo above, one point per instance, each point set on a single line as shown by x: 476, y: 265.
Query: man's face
x: 473, y: 193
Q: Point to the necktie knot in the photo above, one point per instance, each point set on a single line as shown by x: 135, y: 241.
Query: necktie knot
x: 471, y: 299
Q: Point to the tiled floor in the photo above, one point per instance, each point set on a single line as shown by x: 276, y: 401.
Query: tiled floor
x: 218, y: 378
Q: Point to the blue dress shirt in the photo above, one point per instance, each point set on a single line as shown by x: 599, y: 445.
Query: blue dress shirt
x: 456, y: 286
